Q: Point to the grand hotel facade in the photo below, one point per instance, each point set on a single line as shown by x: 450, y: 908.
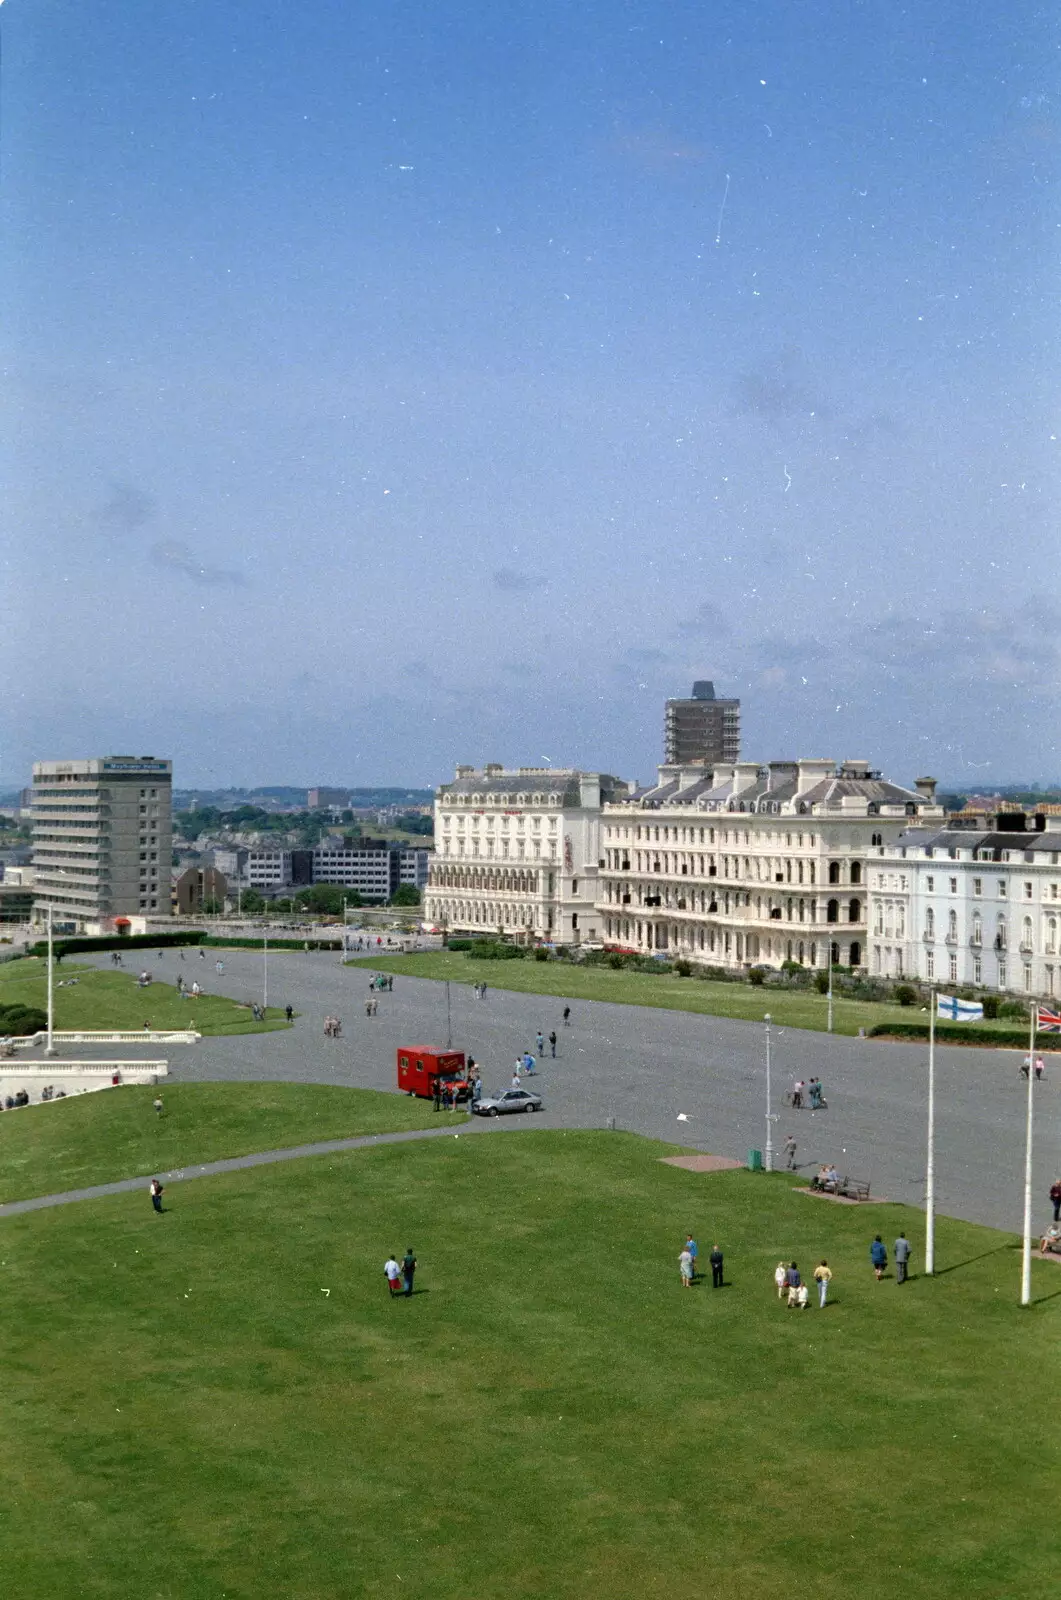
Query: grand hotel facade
x: 752, y: 865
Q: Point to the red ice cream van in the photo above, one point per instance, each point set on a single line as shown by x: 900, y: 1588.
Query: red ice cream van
x: 419, y: 1066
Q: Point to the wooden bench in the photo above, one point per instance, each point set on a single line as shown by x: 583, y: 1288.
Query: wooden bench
x: 853, y: 1189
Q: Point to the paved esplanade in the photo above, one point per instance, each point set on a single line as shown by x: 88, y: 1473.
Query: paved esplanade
x: 644, y: 1066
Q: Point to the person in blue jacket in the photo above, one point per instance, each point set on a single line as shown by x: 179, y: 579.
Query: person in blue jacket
x: 879, y: 1257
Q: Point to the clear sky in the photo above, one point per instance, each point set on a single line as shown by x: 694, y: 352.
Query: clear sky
x: 392, y: 385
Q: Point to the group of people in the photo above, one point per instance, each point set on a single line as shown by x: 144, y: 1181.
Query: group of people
x: 400, y: 1274
x: 382, y: 980
x: 21, y: 1097
x: 826, y: 1179
x: 332, y: 1027
x: 810, y: 1094
x: 788, y: 1280
x: 688, y: 1262
x: 187, y: 993
x: 479, y: 991
x: 1028, y: 1063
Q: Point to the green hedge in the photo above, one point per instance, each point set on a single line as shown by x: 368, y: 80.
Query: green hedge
x: 954, y: 1033
x: 221, y: 943
x: 21, y: 1020
x: 117, y: 941
x: 496, y: 950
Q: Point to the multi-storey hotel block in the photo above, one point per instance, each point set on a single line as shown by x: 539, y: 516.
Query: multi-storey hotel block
x: 741, y: 865
x: 517, y: 852
x: 975, y: 903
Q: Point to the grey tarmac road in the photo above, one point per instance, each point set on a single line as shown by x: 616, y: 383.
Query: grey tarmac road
x: 646, y: 1067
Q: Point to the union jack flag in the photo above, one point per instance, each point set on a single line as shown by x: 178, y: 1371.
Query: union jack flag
x: 1048, y: 1021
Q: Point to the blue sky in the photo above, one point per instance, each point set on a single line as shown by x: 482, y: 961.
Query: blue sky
x: 400, y: 385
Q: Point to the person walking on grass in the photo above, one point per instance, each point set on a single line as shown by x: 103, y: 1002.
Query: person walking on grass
x: 902, y: 1258
x: 822, y: 1277
x: 780, y: 1279
x: 793, y: 1282
x: 691, y: 1246
x: 685, y: 1267
x: 156, y: 1195
x: 715, y: 1259
x: 879, y: 1256
x: 393, y: 1273
x: 408, y: 1270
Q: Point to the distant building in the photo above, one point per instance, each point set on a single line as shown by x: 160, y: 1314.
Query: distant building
x: 320, y: 799
x: 197, y: 887
x: 102, y: 839
x: 517, y: 852
x: 16, y: 901
x: 374, y: 867
x: 701, y: 728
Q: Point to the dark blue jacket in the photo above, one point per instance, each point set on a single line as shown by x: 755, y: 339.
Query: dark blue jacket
x: 878, y: 1254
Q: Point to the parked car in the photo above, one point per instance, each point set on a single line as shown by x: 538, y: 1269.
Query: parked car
x: 496, y: 1105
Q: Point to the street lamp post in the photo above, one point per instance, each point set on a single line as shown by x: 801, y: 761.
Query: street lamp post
x: 265, y: 966
x: 769, y: 1152
x: 829, y: 1020
x: 49, y: 1048
x: 930, y: 1168
x: 1026, y: 1244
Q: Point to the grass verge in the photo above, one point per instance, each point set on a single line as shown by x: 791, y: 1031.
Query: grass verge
x: 223, y: 1400
x: 106, y: 999
x: 789, y: 1008
x: 112, y: 1134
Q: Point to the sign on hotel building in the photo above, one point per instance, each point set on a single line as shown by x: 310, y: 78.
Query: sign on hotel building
x: 517, y: 852
x: 741, y: 865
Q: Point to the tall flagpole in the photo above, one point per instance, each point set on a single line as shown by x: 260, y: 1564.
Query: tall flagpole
x: 1026, y: 1254
x: 930, y: 1175
x: 49, y: 1048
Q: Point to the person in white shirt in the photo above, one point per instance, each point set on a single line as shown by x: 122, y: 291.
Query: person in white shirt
x: 394, y: 1274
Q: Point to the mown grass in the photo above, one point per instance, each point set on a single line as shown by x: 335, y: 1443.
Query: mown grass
x: 111, y: 999
x: 222, y: 1401
x: 104, y: 1136
x: 790, y: 1008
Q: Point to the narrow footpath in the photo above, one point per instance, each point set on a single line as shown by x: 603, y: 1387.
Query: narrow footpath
x: 262, y: 1158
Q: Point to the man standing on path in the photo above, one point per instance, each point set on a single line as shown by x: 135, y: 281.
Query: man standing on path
x: 790, y: 1152
x: 715, y: 1259
x: 902, y: 1256
x: 822, y: 1277
x: 539, y: 1040
x: 567, y: 1016
x: 156, y: 1195
x: 289, y: 1013
x: 1055, y: 1198
x: 408, y: 1269
x: 552, y: 1043
x: 393, y: 1274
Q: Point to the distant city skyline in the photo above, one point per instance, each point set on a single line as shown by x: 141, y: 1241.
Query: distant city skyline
x: 388, y: 388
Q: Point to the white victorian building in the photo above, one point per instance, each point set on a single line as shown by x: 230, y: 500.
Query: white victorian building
x: 975, y: 903
x: 741, y: 865
x: 517, y: 852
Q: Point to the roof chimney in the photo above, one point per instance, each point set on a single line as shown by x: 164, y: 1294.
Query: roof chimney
x: 926, y: 788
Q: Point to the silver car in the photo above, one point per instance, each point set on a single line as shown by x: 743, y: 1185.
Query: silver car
x: 496, y: 1105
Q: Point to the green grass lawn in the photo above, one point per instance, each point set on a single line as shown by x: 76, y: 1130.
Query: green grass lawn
x: 791, y: 1009
x: 109, y: 999
x: 186, y: 1414
x: 112, y: 1134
